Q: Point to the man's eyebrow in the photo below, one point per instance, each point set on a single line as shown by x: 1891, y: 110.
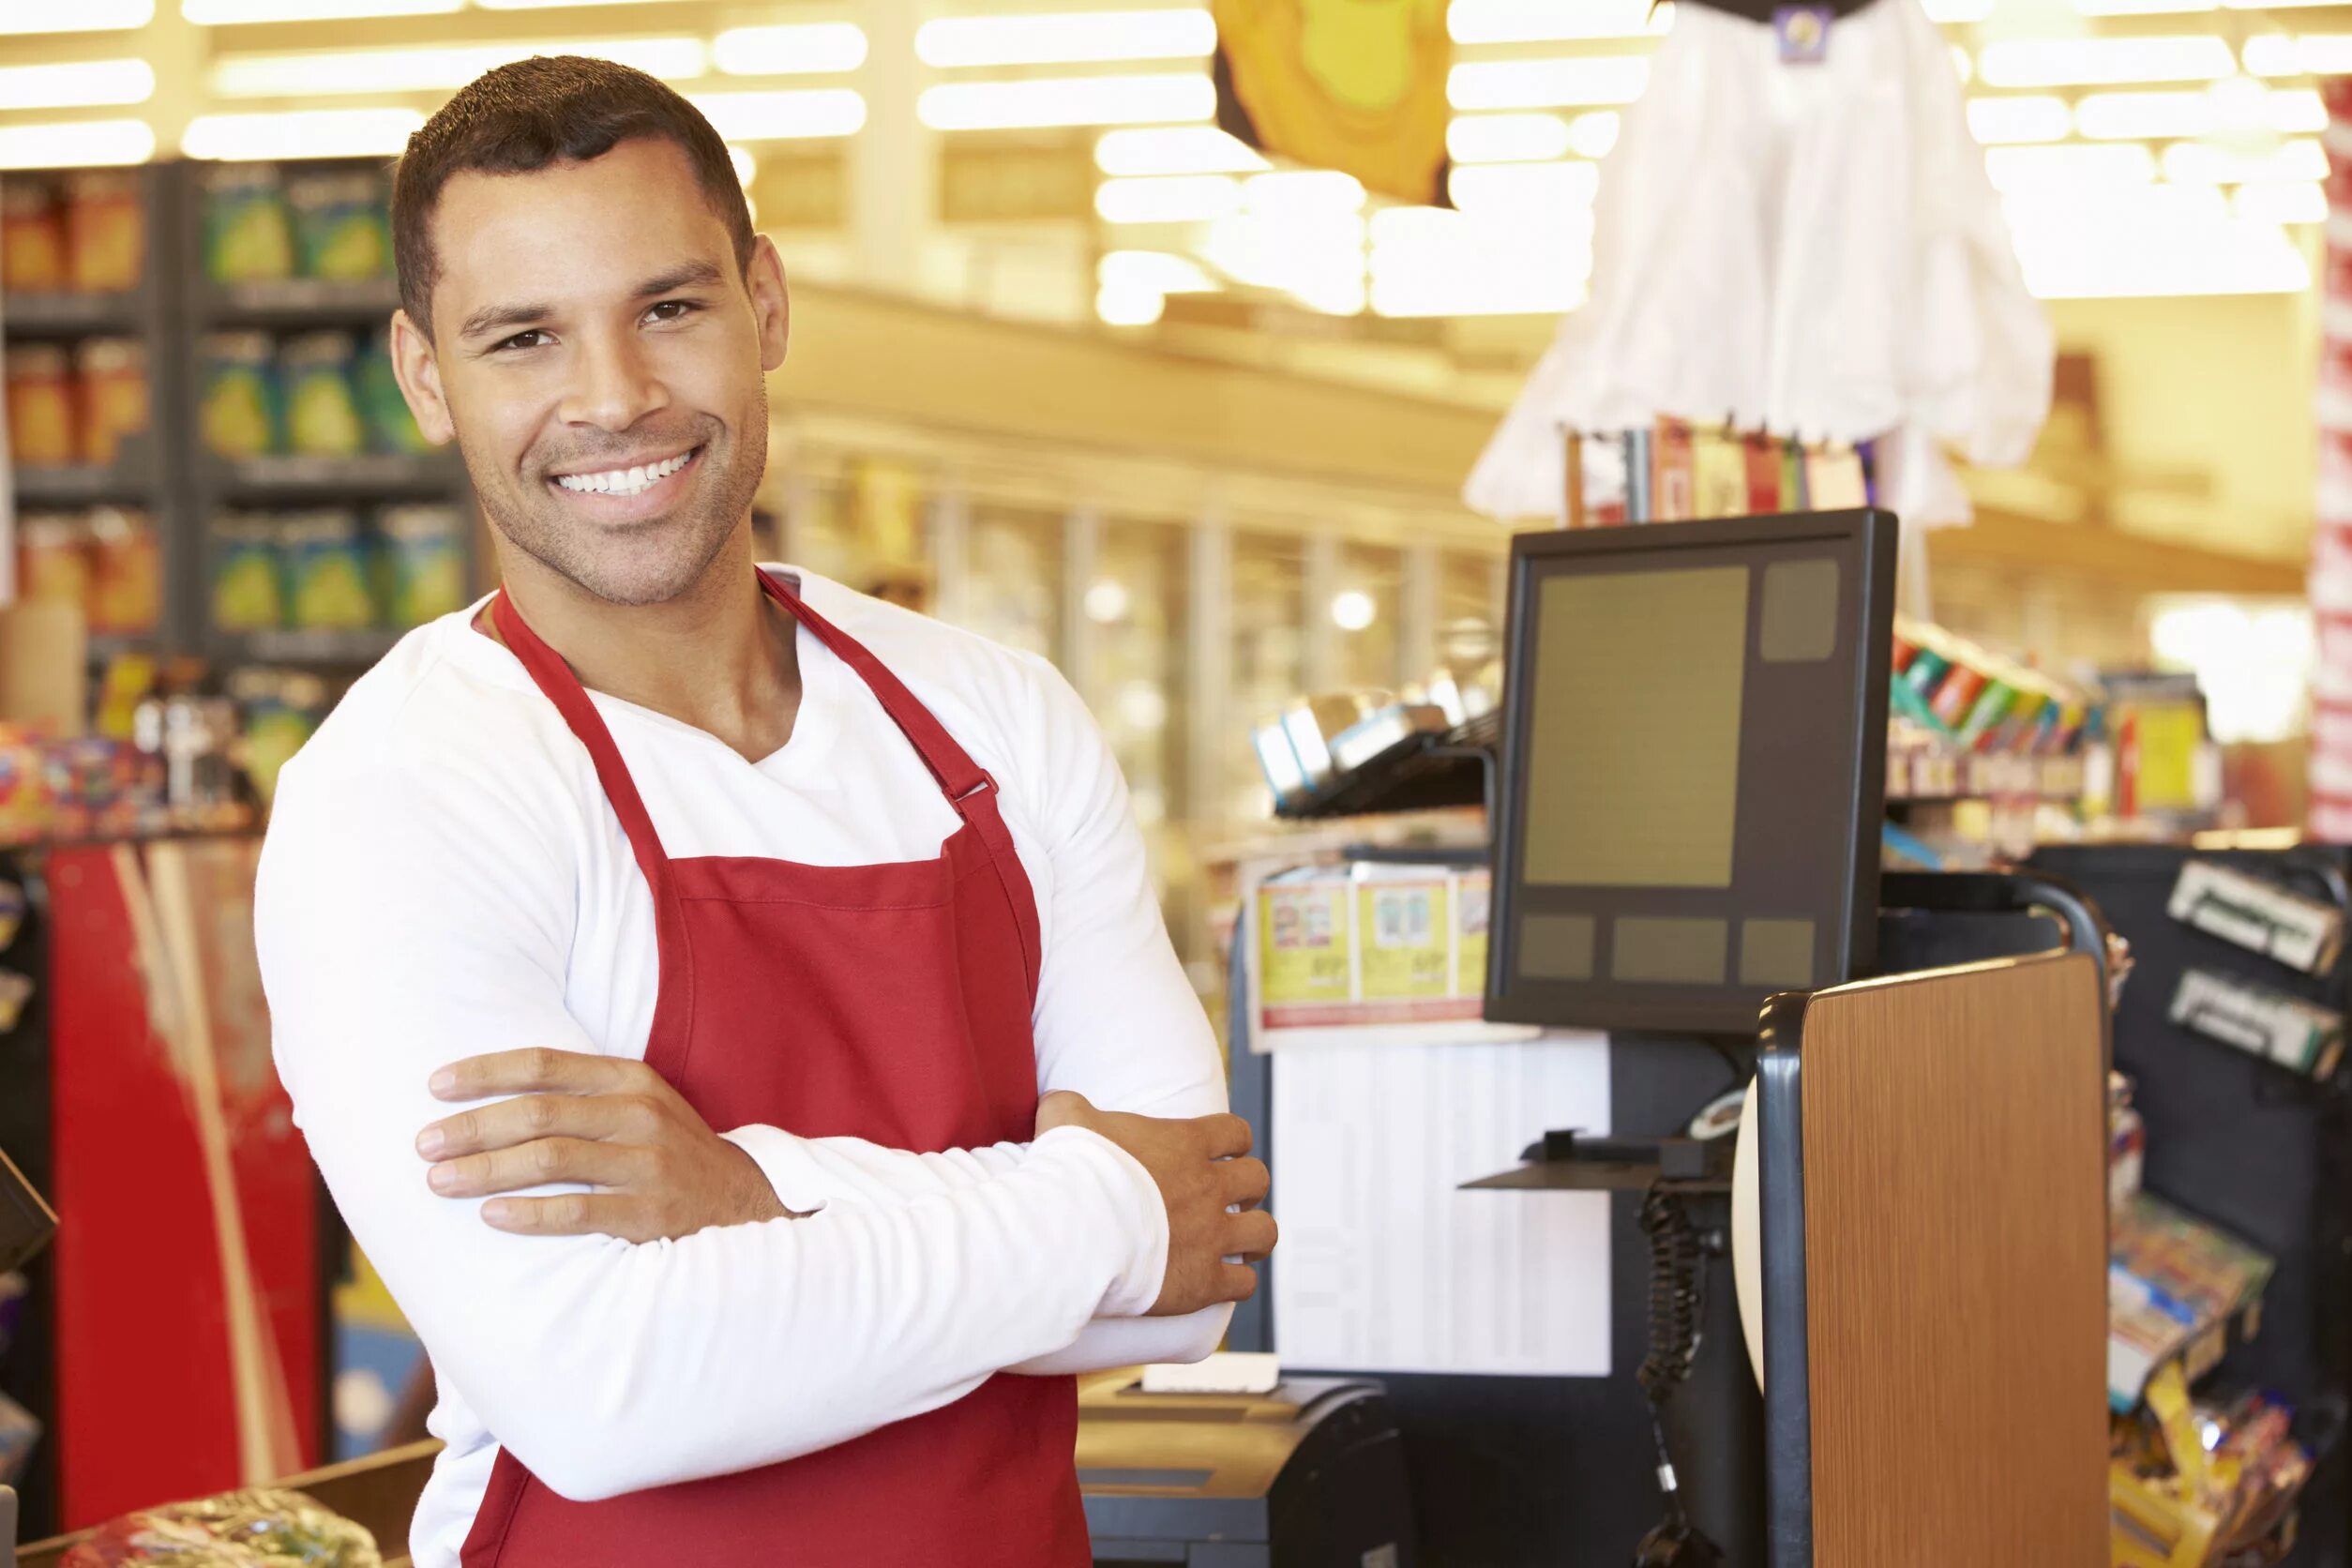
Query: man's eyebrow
x: 686, y: 274
x: 495, y: 318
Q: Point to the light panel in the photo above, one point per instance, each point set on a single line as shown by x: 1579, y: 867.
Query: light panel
x: 76, y: 145
x: 1598, y: 79
x: 1948, y: 11
x: 1594, y: 134
x: 1176, y: 150
x: 321, y: 73
x: 2146, y: 8
x: 1066, y: 37
x: 2102, y: 166
x: 1524, y: 188
x: 1506, y: 138
x: 2005, y: 121
x: 1160, y: 271
x: 231, y: 13
x: 2103, y: 61
x: 301, y: 134
x: 1549, y: 21
x: 783, y: 115
x: 76, y: 84
x: 1168, y: 199
x: 1068, y: 100
x: 2304, y: 54
x: 803, y: 49
x: 2199, y: 163
x: 2282, y: 202
x: 1302, y: 193
x: 86, y: 16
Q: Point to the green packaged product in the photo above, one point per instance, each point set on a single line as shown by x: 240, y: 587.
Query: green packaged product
x: 340, y: 227
x: 249, y: 591
x: 322, y: 412
x: 238, y: 407
x: 326, y: 571
x: 248, y: 236
x: 260, y: 1528
x: 390, y: 425
x: 424, y: 563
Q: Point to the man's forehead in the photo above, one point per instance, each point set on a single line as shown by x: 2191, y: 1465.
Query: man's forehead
x: 585, y: 225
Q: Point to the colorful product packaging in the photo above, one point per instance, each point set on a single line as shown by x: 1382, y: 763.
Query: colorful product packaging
x: 423, y: 550
x: 326, y: 571
x: 106, y: 231
x: 322, y: 413
x: 52, y: 559
x: 32, y: 237
x: 390, y: 425
x: 239, y: 407
x: 341, y: 231
x: 249, y: 591
x: 41, y: 399
x: 249, y: 235
x: 126, y: 593
x: 116, y: 403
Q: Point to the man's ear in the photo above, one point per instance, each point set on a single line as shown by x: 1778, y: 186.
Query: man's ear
x: 770, y: 303
x: 419, y: 375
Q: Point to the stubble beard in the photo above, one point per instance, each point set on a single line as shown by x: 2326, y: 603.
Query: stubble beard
x: 655, y: 561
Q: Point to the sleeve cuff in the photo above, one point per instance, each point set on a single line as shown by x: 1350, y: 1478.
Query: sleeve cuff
x: 791, y: 1171
x: 1129, y: 1184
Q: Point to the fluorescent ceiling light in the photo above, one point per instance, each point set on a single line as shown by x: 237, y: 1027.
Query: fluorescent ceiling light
x: 1161, y: 271
x: 317, y: 73
x: 2143, y: 116
x: 1548, y: 83
x: 1175, y: 150
x: 2101, y: 61
x: 801, y: 49
x: 1177, y: 199
x: 1506, y: 138
x: 2298, y: 112
x: 1999, y: 121
x: 223, y: 13
x: 1529, y: 189
x: 1549, y: 20
x: 1127, y: 305
x: 2030, y: 169
x: 2308, y: 55
x: 2145, y: 8
x: 781, y: 117
x: 301, y: 134
x: 1066, y: 37
x: 77, y: 144
x: 2150, y: 254
x: 1962, y: 67
x: 76, y: 84
x: 2282, y: 202
x: 540, y: 5
x: 1302, y: 193
x: 87, y: 16
x: 1068, y: 100
x: 2197, y: 163
x: 1958, y: 10
x: 1594, y: 134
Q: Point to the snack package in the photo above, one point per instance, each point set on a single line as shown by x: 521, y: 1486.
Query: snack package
x: 240, y: 409
x: 248, y: 236
x: 263, y: 1528
x: 321, y: 415
x: 110, y: 382
x: 40, y: 406
x: 423, y: 553
x: 390, y: 425
x: 32, y: 237
x: 341, y: 228
x: 249, y: 588
x: 106, y: 230
x: 326, y: 571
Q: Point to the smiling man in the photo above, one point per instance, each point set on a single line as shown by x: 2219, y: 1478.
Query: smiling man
x: 667, y: 956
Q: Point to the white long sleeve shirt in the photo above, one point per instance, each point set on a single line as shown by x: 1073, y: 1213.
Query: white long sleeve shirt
x: 443, y: 878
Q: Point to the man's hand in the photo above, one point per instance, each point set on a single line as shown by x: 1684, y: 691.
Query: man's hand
x: 601, y: 1121
x: 1210, y: 1189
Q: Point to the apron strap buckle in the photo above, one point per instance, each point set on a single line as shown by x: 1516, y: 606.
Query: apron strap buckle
x: 987, y: 783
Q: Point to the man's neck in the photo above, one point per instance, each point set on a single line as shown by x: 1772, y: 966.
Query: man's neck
x: 719, y: 657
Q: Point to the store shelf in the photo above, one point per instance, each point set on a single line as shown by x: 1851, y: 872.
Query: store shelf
x: 103, y: 647
x: 296, y: 302
x: 28, y: 313
x: 363, y: 477
x: 325, y: 648
x: 1942, y: 776
x: 82, y: 484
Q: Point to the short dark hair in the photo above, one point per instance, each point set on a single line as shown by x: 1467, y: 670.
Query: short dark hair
x: 529, y: 115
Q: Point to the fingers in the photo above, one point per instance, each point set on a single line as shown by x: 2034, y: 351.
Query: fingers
x: 540, y: 1163
x: 537, y: 1070
x: 1253, y: 1235
x: 1236, y: 1282
x: 570, y: 1213
x: 530, y: 1117
x: 1228, y: 1136
x: 1245, y: 1182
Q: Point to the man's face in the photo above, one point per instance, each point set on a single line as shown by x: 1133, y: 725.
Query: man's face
x: 599, y: 359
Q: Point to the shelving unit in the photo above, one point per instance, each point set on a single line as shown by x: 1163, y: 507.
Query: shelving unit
x: 151, y: 473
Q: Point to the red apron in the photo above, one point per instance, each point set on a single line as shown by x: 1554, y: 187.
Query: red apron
x: 889, y: 1003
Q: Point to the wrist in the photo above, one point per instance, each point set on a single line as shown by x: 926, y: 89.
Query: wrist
x: 1142, y: 1215
x: 783, y: 1180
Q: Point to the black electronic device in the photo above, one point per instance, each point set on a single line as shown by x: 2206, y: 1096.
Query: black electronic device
x: 1309, y: 1476
x: 1693, y: 761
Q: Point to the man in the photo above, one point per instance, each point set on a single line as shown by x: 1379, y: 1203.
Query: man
x: 656, y: 843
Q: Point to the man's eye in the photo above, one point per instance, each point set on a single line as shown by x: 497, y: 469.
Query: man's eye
x: 671, y: 310
x: 530, y: 340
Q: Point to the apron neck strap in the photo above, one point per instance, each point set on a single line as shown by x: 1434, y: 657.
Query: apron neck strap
x: 959, y: 776
x: 556, y: 682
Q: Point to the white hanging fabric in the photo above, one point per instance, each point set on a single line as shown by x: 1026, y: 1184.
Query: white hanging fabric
x: 1811, y: 248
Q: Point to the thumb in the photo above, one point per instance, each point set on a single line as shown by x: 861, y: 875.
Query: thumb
x: 1062, y: 1109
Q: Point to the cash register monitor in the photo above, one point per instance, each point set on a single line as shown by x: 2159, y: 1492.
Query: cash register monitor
x: 1694, y: 769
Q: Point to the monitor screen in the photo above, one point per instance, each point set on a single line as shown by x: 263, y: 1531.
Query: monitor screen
x: 1693, y: 759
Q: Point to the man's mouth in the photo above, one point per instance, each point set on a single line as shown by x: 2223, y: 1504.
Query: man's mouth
x: 633, y: 480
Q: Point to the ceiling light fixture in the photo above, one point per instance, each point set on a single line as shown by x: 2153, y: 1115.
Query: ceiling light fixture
x: 301, y: 134
x: 318, y: 73
x: 1068, y: 100
x: 1069, y: 38
x: 784, y: 115
x: 801, y: 49
x: 76, y: 143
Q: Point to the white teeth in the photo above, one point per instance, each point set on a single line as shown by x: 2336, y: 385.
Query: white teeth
x: 623, y: 481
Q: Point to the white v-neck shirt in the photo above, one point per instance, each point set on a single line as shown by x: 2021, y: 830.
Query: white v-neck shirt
x: 443, y: 877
